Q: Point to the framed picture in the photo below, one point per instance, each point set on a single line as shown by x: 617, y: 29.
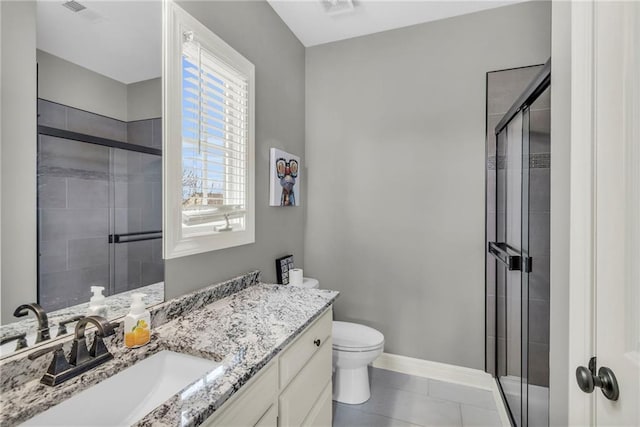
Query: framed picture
x: 283, y: 265
x: 285, y: 179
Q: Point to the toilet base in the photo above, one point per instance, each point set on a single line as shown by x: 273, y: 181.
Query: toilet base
x: 351, y: 386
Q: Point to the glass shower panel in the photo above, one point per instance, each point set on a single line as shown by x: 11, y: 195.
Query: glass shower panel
x: 137, y: 236
x: 509, y: 158
x: 500, y: 270
x: 538, y: 220
x: 73, y: 221
x: 525, y: 265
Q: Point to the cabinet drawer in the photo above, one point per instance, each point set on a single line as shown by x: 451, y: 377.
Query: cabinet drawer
x: 252, y: 403
x: 304, y: 347
x: 270, y: 419
x: 304, y: 390
x: 320, y: 415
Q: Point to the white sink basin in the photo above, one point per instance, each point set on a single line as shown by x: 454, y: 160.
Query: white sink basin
x: 129, y: 395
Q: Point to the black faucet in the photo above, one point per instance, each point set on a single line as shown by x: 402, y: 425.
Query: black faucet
x: 81, y: 359
x: 43, y: 322
x: 79, y: 352
x: 20, y: 338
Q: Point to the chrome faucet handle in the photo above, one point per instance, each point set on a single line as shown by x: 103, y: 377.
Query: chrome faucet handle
x: 62, y: 326
x: 59, y: 363
x: 20, y: 338
x: 43, y: 322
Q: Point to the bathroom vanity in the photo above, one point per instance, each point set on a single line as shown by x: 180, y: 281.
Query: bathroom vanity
x: 271, y: 345
x: 294, y: 389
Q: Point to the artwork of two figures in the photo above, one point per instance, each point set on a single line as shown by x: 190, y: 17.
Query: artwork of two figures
x: 285, y: 179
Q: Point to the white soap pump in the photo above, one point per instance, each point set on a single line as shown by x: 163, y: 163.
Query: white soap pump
x: 97, y: 306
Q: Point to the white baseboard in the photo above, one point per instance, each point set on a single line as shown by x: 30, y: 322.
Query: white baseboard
x: 444, y: 372
x: 435, y: 370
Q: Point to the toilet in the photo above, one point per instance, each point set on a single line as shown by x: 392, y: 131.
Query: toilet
x: 354, y: 347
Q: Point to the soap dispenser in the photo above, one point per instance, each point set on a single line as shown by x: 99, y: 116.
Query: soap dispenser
x: 137, y: 324
x: 97, y: 306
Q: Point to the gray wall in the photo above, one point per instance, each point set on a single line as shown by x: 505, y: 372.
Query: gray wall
x: 561, y: 374
x: 144, y: 100
x: 69, y: 84
x: 256, y: 31
x: 18, y: 156
x: 395, y: 173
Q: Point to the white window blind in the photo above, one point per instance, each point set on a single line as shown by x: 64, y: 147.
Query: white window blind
x: 215, y: 127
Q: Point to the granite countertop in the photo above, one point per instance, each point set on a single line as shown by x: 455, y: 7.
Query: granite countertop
x: 243, y: 332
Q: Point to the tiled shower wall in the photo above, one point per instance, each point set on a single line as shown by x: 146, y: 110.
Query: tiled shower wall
x: 77, y: 206
x: 503, y: 87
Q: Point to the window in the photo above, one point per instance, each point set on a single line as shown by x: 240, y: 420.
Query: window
x: 209, y: 143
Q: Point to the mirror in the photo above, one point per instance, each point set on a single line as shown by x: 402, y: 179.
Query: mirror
x: 98, y: 165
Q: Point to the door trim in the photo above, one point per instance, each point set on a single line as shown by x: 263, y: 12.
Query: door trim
x: 582, y: 238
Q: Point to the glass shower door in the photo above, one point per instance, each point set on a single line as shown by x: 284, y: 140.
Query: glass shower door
x: 518, y: 238
x: 522, y: 263
x: 511, y: 282
x: 73, y: 220
x: 137, y: 220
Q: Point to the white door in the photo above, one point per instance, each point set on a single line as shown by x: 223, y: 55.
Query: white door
x: 617, y: 189
x: 605, y: 236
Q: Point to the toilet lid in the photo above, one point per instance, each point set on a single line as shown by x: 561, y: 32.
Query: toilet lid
x: 353, y: 336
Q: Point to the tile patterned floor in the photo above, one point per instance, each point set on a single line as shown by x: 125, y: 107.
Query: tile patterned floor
x: 399, y: 400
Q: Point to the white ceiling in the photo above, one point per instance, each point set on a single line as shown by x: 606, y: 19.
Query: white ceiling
x: 312, y: 25
x: 119, y: 39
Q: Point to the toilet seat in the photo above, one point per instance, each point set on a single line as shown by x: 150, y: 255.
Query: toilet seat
x: 353, y: 337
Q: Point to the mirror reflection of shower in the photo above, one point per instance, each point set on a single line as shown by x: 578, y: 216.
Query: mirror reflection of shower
x: 99, y: 206
x: 99, y: 166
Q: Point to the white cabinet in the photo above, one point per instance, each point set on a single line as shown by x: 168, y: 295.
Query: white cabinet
x: 298, y: 353
x: 293, y: 389
x: 305, y: 372
x: 320, y: 415
x: 254, y: 403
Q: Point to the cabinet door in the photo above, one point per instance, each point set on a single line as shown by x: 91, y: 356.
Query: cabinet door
x: 320, y: 415
x: 270, y: 419
x: 252, y: 405
x: 303, y: 391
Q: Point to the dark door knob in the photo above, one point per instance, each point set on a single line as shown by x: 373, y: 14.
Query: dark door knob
x: 317, y: 343
x: 585, y: 379
x: 605, y: 379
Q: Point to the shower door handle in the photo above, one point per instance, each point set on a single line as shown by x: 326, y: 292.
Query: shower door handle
x: 503, y: 253
x: 135, y: 237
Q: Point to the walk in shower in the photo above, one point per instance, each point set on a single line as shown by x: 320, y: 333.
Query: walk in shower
x: 517, y: 238
x: 99, y: 204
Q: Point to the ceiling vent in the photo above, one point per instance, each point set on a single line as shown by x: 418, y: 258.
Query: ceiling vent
x: 74, y: 6
x: 337, y: 7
